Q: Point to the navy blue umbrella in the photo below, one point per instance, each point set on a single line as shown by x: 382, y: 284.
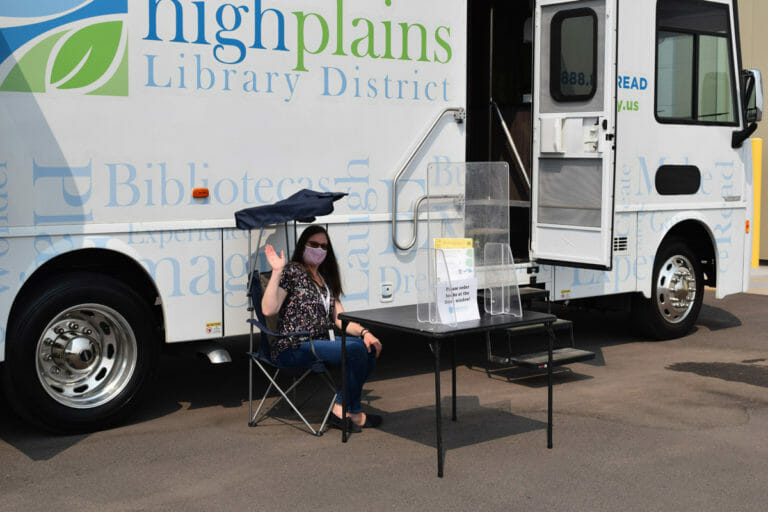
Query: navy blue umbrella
x: 302, y: 206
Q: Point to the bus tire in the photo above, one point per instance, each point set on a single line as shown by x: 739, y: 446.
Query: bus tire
x: 676, y: 295
x: 79, y: 353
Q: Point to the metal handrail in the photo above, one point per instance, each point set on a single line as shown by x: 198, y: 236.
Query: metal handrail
x: 512, y: 146
x: 459, y: 114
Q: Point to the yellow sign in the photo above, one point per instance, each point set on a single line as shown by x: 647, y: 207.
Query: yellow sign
x: 453, y: 243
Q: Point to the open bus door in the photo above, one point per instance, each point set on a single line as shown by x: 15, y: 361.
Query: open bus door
x: 574, y: 125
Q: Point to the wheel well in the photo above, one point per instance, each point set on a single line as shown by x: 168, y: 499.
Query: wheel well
x: 99, y: 261
x: 700, y: 241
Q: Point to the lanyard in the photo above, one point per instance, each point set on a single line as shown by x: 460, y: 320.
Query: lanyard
x: 326, y: 297
x: 326, y: 304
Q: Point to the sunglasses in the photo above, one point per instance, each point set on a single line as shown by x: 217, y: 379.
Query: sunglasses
x: 316, y: 245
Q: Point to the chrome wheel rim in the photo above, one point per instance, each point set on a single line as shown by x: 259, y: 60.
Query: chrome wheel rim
x: 676, y: 289
x: 86, y: 356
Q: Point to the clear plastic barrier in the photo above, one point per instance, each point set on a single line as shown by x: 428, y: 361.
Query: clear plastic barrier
x: 435, y: 305
x: 470, y: 201
x: 499, y: 279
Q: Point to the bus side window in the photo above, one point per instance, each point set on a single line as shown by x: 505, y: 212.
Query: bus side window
x: 695, y: 81
x: 573, y: 58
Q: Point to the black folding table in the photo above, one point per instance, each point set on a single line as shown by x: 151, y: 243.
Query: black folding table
x: 403, y: 319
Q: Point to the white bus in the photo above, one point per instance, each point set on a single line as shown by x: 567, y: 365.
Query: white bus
x: 130, y: 132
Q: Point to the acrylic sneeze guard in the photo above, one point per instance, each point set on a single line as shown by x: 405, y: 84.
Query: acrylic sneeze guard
x: 468, y: 201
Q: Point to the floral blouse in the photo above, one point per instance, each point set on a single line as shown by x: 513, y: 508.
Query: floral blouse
x: 302, y: 310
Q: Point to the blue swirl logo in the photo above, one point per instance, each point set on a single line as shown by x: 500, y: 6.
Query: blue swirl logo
x: 64, y: 45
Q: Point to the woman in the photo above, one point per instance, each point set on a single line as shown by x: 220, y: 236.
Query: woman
x: 305, y: 294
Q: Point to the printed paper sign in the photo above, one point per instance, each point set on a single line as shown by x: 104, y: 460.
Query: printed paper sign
x: 457, y: 302
x: 456, y: 282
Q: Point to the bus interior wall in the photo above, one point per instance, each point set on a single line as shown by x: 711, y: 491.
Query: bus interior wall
x: 500, y: 80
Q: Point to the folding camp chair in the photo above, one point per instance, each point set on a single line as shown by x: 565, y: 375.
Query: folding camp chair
x: 264, y: 362
x: 302, y: 206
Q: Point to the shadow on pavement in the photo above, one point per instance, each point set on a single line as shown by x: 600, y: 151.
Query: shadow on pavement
x: 752, y: 374
x: 188, y: 381
x: 29, y: 440
x: 715, y: 319
x: 475, y: 423
x: 482, y: 424
x: 534, y: 379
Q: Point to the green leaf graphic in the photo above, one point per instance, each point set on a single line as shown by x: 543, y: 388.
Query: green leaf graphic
x: 28, y: 75
x: 118, y: 84
x: 94, y: 47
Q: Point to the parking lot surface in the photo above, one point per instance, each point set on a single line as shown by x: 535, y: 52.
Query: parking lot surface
x: 671, y: 426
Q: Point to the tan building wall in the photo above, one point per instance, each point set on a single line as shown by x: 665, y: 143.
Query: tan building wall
x: 753, y: 18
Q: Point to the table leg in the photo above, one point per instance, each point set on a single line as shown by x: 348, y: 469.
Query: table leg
x: 344, y: 324
x: 438, y: 412
x: 551, y: 336
x: 453, y: 379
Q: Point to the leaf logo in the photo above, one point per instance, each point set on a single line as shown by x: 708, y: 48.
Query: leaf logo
x: 78, y: 53
x: 87, y: 56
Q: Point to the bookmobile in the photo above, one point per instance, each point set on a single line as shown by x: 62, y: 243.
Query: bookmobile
x: 130, y: 132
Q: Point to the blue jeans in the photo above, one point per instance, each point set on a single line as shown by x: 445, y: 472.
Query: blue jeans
x: 360, y: 363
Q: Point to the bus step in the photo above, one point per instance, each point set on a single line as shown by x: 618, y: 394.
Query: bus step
x: 560, y: 357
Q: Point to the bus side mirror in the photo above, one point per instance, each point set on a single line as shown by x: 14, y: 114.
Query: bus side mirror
x: 755, y: 101
x: 752, y: 105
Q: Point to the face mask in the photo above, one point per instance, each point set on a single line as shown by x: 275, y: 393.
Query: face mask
x: 314, y: 255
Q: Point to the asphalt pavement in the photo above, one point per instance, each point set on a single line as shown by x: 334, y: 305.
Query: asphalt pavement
x: 678, y: 425
x: 758, y: 280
